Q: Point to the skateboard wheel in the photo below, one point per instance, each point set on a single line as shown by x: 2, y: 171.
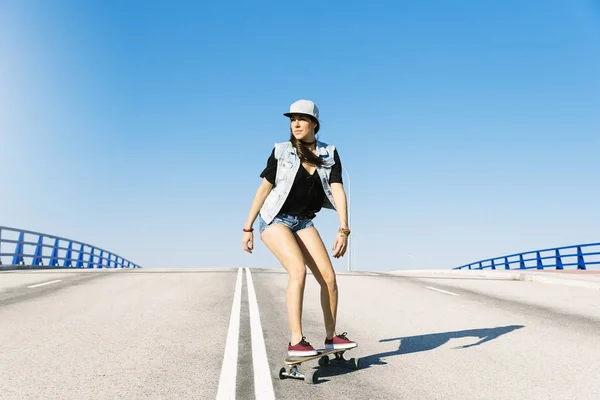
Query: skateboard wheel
x: 355, y: 362
x: 280, y: 373
x: 311, y: 377
x: 324, y: 361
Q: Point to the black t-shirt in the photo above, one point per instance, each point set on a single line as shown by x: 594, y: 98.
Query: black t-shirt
x: 306, y: 195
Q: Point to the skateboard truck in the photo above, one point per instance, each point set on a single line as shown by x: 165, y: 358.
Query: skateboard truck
x: 294, y: 373
x: 339, y: 359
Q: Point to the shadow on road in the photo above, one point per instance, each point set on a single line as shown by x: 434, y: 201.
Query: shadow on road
x: 415, y: 344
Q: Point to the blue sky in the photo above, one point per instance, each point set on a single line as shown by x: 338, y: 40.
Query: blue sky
x: 470, y: 129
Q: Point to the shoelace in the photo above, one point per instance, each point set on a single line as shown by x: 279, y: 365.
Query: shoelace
x: 343, y: 336
x: 303, y: 342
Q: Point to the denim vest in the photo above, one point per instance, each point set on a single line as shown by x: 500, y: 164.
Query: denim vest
x: 288, y: 164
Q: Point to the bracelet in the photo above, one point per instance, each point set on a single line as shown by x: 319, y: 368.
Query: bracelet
x: 344, y: 231
x: 248, y: 230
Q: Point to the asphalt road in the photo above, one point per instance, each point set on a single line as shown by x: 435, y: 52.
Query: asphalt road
x: 170, y: 334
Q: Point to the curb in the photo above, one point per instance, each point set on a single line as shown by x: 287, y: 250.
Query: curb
x: 540, y: 277
x: 565, y: 281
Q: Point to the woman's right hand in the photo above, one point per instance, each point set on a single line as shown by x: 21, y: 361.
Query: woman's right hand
x: 248, y: 242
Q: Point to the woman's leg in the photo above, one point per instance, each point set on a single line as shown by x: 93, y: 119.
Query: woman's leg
x: 282, y: 243
x: 318, y: 261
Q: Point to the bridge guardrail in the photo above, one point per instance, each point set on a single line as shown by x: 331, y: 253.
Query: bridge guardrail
x: 572, y: 256
x: 75, y: 255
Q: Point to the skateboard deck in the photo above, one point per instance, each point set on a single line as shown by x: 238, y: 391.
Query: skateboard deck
x: 292, y: 364
x: 292, y: 360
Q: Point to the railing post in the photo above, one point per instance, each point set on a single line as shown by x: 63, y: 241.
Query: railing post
x: 506, y: 266
x: 100, y: 265
x: 37, y: 256
x: 559, y: 264
x: 80, y: 258
x: 540, y: 265
x: 54, y: 257
x: 493, y: 265
x: 68, y: 256
x: 0, y: 246
x: 18, y: 257
x: 480, y: 265
x: 521, y: 263
x: 580, y: 260
x: 91, y: 259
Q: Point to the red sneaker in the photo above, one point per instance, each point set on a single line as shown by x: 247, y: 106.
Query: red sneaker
x: 301, y: 349
x: 340, y: 342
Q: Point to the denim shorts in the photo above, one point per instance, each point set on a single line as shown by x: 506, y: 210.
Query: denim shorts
x: 292, y: 222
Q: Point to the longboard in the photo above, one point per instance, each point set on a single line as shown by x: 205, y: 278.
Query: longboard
x: 292, y: 364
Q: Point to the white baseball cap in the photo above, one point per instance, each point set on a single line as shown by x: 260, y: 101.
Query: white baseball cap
x: 305, y: 107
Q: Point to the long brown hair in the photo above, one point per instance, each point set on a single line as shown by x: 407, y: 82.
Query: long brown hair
x: 304, y: 153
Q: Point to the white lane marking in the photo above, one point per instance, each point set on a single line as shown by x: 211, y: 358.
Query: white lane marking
x: 45, y: 283
x: 441, y: 291
x: 227, y: 381
x: 263, y: 386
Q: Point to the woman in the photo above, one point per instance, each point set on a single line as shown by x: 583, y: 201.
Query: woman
x: 302, y: 176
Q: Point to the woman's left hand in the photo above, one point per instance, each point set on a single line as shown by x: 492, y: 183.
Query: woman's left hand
x: 340, y: 245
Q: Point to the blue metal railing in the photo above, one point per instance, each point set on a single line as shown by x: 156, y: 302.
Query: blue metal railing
x: 571, y: 256
x: 57, y: 252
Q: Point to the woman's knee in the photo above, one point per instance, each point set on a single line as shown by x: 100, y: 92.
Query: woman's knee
x: 328, y: 280
x: 297, y: 273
